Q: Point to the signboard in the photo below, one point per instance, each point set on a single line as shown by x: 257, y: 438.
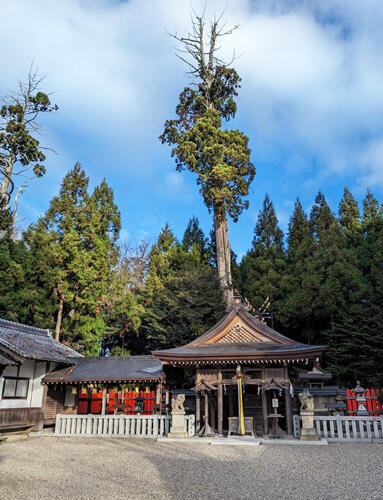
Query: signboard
x: 275, y: 403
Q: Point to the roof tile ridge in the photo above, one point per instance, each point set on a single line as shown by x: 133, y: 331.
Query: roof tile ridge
x: 35, y: 329
x: 273, y: 332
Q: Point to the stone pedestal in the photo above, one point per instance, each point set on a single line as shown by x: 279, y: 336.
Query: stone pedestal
x: 177, y: 428
x: 308, y: 432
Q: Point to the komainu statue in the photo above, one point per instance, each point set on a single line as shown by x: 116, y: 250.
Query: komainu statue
x: 307, y: 402
x: 178, y: 403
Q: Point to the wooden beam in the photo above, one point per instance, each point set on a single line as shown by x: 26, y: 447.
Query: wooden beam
x: 206, y: 417
x: 231, y: 401
x: 220, y: 404
x: 289, y: 412
x: 264, y: 413
x: 198, y: 411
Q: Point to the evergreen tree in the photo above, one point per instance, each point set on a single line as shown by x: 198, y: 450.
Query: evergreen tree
x: 262, y: 268
x: 195, y: 238
x: 20, y: 149
x: 295, y: 309
x: 219, y: 157
x: 332, y: 279
x: 75, y: 242
x: 182, y: 297
x: 13, y: 258
x: 349, y: 215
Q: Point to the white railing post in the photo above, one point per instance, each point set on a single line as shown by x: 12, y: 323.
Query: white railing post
x: 155, y: 426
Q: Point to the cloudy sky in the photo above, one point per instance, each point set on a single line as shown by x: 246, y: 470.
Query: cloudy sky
x: 311, y: 100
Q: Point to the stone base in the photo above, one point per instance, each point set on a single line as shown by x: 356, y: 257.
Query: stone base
x: 309, y: 435
x: 178, y: 435
x: 177, y: 428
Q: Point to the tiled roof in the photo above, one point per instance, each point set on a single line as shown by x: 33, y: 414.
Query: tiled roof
x: 109, y: 369
x: 239, y: 335
x: 7, y: 360
x: 33, y: 343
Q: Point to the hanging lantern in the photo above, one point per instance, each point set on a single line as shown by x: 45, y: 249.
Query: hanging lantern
x: 74, y: 390
x: 147, y: 389
x: 137, y: 389
x: 84, y: 390
x: 115, y: 389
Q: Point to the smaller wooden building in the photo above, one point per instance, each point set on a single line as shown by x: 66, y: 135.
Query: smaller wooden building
x: 242, y: 370
x: 105, y: 385
x: 27, y: 354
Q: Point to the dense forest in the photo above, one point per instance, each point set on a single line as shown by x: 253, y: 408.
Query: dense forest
x: 323, y: 280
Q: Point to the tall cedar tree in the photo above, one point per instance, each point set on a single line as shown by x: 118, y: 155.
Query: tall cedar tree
x: 76, y: 240
x: 219, y: 157
x: 331, y: 280
x: 262, y: 268
x: 295, y: 310
x: 182, y: 298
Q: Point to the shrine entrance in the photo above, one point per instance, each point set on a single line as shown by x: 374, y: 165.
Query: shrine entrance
x: 243, y: 401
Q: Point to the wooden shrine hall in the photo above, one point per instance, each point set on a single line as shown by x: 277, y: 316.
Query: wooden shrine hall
x: 242, y: 374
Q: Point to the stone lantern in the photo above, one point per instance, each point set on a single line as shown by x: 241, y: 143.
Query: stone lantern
x: 360, y: 400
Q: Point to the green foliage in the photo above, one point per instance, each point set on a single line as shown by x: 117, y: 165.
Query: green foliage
x: 262, y: 268
x: 13, y: 257
x: 20, y: 149
x: 220, y: 158
x: 73, y: 252
x: 327, y: 288
x: 182, y: 298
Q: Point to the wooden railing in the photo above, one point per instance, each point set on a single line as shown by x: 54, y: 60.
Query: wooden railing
x: 140, y: 426
x: 345, y: 428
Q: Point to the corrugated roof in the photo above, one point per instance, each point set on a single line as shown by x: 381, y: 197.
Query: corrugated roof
x: 34, y: 343
x: 109, y: 369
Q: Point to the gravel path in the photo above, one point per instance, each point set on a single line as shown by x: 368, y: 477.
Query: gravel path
x: 69, y: 468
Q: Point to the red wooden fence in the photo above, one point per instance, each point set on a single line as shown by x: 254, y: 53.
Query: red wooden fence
x: 129, y: 398
x: 373, y: 405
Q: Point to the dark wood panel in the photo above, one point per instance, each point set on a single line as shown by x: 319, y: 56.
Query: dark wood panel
x: 14, y: 418
x: 54, y: 404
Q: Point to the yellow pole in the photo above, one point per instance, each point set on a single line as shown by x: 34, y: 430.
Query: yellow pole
x: 240, y: 407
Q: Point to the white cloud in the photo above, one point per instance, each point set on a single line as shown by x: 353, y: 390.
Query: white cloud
x: 312, y: 74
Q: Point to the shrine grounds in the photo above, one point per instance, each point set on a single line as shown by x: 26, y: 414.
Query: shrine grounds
x: 87, y: 468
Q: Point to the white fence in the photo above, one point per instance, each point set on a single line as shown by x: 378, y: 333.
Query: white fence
x: 139, y: 426
x: 339, y: 428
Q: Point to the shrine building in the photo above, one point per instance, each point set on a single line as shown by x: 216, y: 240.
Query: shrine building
x: 242, y: 370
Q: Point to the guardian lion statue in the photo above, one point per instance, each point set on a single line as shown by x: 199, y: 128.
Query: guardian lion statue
x: 306, y: 400
x: 178, y: 403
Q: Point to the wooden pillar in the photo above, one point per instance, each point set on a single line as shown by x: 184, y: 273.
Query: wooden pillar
x: 231, y: 401
x: 167, y: 400
x: 103, y: 404
x: 264, y: 412
x: 220, y: 404
x: 40, y: 425
x: 198, y: 411
x: 206, y: 416
x: 289, y: 412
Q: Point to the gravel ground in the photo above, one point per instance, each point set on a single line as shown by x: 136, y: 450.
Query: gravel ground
x: 67, y: 468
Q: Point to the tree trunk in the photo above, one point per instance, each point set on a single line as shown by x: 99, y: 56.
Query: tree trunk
x: 59, y: 318
x: 6, y: 181
x: 223, y: 256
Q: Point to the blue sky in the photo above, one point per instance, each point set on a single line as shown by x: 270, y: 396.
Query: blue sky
x: 311, y: 101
